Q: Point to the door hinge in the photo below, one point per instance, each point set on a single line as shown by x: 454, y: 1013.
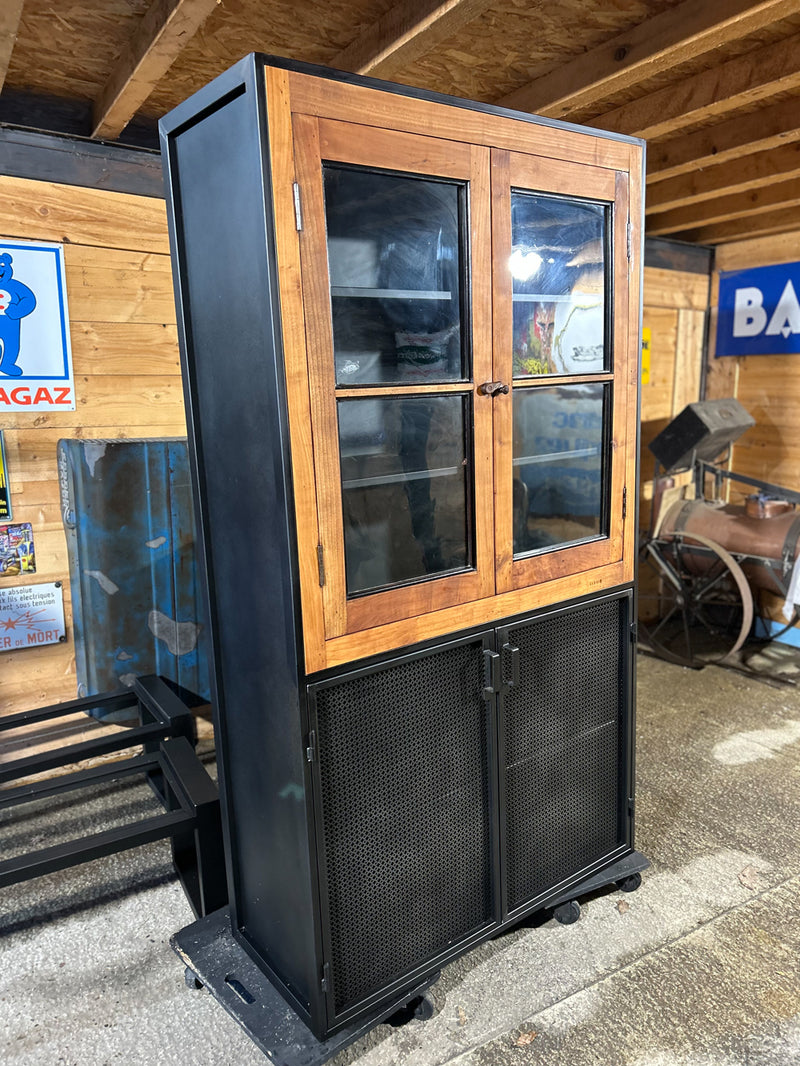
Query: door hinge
x: 324, y: 982
x: 298, y: 210
x: 634, y: 631
x: 624, y: 502
x: 312, y: 743
x: 628, y: 237
x: 321, y: 564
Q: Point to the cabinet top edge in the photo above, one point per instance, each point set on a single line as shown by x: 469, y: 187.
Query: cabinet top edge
x: 248, y: 73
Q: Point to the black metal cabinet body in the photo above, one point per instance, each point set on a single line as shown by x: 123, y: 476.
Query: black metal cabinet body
x: 384, y: 814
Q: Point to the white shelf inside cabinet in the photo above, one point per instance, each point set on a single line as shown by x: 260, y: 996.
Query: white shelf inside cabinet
x: 553, y: 457
x: 565, y: 298
x: 389, y: 294
x: 396, y: 479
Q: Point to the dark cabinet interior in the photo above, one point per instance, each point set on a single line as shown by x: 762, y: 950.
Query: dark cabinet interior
x: 396, y: 260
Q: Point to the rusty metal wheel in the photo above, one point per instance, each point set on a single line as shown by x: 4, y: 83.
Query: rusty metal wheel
x: 695, y: 603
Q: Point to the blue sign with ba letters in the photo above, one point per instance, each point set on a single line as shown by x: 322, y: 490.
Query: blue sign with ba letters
x: 759, y: 311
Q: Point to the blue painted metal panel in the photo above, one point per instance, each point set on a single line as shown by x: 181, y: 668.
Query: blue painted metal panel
x: 127, y: 511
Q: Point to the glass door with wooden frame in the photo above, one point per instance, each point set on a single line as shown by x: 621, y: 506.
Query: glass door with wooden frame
x: 395, y: 254
x: 560, y: 345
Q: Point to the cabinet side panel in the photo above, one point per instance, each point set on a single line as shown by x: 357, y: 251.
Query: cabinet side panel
x: 238, y: 432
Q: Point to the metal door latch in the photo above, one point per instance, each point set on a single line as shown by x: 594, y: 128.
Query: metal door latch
x: 490, y: 388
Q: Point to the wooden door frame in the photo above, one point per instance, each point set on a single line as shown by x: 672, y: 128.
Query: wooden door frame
x: 558, y: 178
x: 327, y: 140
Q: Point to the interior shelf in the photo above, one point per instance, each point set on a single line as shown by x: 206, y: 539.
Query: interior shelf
x: 394, y: 479
x: 553, y: 457
x: 364, y: 293
x: 563, y: 298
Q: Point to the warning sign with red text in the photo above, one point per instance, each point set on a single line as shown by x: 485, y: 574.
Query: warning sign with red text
x: 31, y: 615
x: 35, y: 356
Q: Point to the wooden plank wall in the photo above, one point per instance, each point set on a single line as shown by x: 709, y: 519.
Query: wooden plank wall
x: 767, y: 386
x: 675, y: 304
x: 675, y: 307
x: 127, y: 378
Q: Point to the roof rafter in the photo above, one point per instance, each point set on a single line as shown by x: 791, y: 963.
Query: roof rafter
x: 10, y: 15
x: 725, y: 208
x: 750, y: 172
x: 782, y: 221
x: 769, y: 127
x: 747, y: 79
x: 407, y: 31
x: 167, y: 26
x: 692, y: 29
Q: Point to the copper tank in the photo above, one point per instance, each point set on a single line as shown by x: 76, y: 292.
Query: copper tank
x: 768, y: 529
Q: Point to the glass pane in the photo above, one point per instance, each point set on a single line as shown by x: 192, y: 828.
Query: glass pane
x: 395, y: 261
x: 558, y: 252
x: 559, y: 466
x: 405, y: 491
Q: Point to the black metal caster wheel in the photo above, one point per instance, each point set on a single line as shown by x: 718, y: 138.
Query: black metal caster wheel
x: 630, y: 884
x: 191, y: 980
x: 420, y: 1007
x: 568, y: 913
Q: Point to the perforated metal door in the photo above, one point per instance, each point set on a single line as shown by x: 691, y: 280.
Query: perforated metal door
x: 403, y: 781
x: 563, y: 728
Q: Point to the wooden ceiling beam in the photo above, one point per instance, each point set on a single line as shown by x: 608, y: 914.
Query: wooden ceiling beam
x: 166, y: 27
x: 10, y: 15
x: 725, y: 208
x: 750, y: 172
x: 407, y: 31
x: 773, y: 222
x: 692, y: 29
x: 755, y: 132
x: 756, y: 76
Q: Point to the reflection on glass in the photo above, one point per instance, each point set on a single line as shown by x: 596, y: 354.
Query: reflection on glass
x: 405, y: 497
x: 394, y: 256
x: 557, y: 264
x: 559, y: 466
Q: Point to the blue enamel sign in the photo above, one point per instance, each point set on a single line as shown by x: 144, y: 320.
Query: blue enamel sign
x: 35, y: 356
x: 759, y: 311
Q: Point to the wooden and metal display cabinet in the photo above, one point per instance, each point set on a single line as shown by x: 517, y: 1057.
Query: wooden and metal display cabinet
x: 410, y: 345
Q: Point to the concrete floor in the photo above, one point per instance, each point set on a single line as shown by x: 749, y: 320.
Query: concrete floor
x: 700, y: 967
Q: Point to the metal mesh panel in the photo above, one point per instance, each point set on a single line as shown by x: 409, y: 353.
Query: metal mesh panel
x: 403, y: 763
x: 563, y: 727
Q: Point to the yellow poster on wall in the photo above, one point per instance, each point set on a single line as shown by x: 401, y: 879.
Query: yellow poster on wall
x: 646, y: 355
x: 5, y: 491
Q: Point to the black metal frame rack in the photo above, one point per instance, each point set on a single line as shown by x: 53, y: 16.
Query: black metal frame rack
x: 191, y: 818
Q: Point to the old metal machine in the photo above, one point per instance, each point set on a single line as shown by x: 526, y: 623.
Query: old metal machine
x: 714, y: 546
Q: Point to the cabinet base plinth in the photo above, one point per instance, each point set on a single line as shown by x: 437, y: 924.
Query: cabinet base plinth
x: 618, y: 873
x: 216, y: 961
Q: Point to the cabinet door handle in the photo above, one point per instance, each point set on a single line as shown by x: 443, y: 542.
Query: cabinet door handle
x: 491, y: 388
x: 492, y: 674
x: 514, y: 653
